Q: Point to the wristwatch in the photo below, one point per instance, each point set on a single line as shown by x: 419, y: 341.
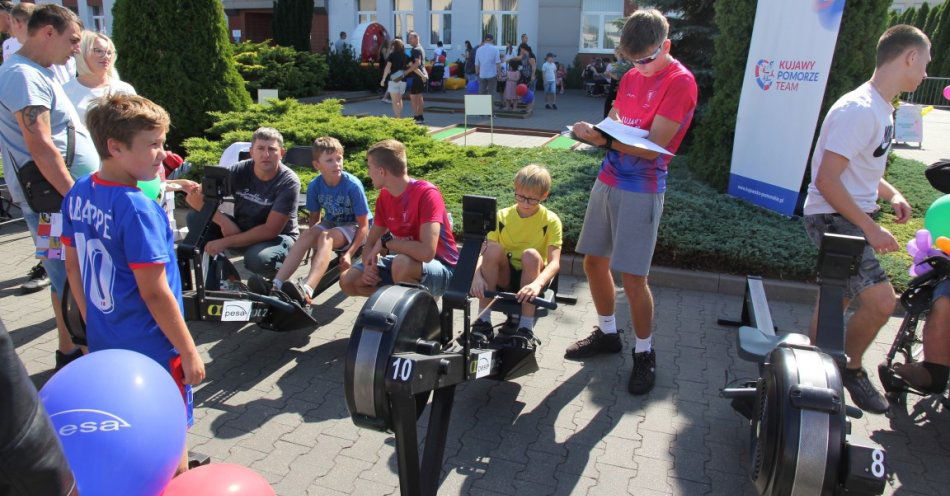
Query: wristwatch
x: 386, y: 238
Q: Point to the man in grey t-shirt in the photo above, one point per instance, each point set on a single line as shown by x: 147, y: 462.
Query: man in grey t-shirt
x: 264, y: 224
x: 34, y: 116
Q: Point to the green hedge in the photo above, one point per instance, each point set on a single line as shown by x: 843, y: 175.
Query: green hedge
x: 701, y: 229
x: 295, y: 74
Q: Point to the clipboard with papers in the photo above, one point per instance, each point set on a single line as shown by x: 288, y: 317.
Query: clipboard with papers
x: 628, y: 135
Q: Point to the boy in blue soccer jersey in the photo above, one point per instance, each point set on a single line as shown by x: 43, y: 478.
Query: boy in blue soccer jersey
x: 120, y: 252
x: 343, y: 226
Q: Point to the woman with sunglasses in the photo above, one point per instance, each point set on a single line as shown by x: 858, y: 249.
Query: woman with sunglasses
x: 95, y: 66
x: 626, y: 202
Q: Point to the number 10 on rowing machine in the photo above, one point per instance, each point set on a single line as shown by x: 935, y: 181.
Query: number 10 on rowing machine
x: 403, y: 349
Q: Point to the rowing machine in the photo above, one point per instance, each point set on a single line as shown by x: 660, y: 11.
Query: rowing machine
x: 402, y: 349
x: 796, y: 409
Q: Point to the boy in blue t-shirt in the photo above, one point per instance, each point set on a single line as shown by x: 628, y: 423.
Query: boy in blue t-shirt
x: 343, y: 227
x: 120, y: 252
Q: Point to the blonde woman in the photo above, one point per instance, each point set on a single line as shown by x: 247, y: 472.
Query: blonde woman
x: 95, y: 65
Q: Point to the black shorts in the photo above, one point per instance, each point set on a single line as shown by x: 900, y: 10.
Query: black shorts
x: 416, y: 86
x: 514, y: 280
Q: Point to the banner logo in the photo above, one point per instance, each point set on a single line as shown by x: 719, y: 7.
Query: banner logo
x: 829, y: 13
x: 789, y: 75
x: 765, y: 73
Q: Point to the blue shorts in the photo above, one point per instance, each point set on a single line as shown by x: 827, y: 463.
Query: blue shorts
x: 55, y: 269
x: 550, y: 87
x: 435, y: 275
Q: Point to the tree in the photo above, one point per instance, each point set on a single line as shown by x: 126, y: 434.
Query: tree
x: 920, y: 20
x: 734, y: 18
x: 940, y: 43
x: 908, y: 16
x: 893, y: 19
x: 291, y: 23
x: 190, y: 73
x: 932, y: 19
x: 692, y: 29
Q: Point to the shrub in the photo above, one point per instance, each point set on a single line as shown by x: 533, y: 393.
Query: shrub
x: 177, y: 53
x: 348, y: 73
x: 291, y: 23
x: 296, y: 74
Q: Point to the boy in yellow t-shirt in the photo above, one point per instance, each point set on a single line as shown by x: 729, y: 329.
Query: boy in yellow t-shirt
x: 521, y: 255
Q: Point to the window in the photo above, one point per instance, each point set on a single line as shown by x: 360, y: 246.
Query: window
x: 402, y: 18
x: 599, y: 25
x: 98, y: 20
x: 441, y: 26
x: 500, y: 19
x: 366, y: 11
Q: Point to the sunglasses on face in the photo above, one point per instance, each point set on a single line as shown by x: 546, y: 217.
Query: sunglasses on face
x: 651, y: 58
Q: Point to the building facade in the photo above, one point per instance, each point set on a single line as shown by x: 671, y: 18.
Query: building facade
x: 565, y: 27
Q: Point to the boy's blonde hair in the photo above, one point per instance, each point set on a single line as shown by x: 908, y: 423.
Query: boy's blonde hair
x: 120, y: 117
x: 534, y: 178
x: 326, y: 144
x: 389, y: 154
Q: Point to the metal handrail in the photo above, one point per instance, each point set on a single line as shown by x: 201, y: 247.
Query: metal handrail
x: 930, y: 92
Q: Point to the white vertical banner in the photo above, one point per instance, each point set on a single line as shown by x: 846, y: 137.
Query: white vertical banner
x: 785, y: 77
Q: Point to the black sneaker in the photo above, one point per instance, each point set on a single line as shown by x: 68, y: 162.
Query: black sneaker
x: 554, y: 106
x: 62, y: 359
x: 481, y: 334
x: 523, y: 338
x: 863, y: 393
x: 296, y: 291
x: 596, y: 343
x: 259, y: 284
x: 37, y: 279
x: 643, y: 375
x: 547, y: 105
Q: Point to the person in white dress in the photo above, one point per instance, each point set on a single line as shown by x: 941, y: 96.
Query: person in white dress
x: 95, y: 64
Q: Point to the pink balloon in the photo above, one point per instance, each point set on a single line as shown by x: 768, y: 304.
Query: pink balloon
x: 946, y: 92
x: 219, y: 479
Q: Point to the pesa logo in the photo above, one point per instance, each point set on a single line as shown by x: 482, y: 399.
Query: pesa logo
x: 86, y: 421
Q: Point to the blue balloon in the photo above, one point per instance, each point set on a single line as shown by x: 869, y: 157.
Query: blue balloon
x: 121, y: 420
x: 528, y: 97
x: 472, y: 87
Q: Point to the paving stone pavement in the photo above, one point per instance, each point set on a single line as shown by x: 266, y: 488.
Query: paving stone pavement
x: 274, y: 402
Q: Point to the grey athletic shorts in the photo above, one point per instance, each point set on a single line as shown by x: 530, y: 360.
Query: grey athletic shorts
x: 621, y: 225
x: 869, y: 273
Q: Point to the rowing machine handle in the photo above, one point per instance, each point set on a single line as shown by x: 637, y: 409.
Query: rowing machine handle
x: 270, y: 300
x: 550, y: 305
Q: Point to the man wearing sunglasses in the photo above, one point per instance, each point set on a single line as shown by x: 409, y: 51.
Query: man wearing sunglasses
x: 626, y: 202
